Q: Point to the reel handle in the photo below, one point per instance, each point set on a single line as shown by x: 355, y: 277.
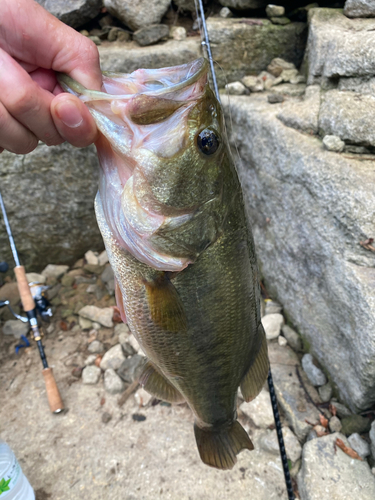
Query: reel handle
x: 54, y: 399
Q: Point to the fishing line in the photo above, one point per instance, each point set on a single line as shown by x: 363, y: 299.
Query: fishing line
x: 284, y: 459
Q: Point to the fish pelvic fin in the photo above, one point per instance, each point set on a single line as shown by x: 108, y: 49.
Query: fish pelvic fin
x: 218, y: 448
x: 166, y: 308
x: 254, y: 379
x: 156, y: 384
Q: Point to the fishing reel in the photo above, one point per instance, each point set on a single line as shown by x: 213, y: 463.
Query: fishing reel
x: 42, y: 304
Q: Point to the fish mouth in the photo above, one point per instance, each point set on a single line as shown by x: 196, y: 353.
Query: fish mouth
x: 153, y: 82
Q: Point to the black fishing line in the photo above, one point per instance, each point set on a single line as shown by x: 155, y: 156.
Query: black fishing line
x: 284, y: 459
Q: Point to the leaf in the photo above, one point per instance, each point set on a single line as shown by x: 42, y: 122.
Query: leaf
x: 349, y: 451
x: 4, y: 486
x: 323, y: 421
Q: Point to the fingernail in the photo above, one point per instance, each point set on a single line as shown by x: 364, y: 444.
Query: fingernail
x: 69, y: 114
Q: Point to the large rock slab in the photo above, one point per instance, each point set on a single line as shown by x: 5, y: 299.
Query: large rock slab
x: 247, y: 46
x: 348, y: 115
x: 327, y: 473
x: 138, y: 14
x: 309, y: 209
x: 338, y: 46
x: 49, y: 196
x: 72, y: 12
x: 359, y: 8
x: 244, y: 4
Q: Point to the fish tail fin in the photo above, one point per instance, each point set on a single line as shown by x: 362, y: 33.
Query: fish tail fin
x: 218, y: 448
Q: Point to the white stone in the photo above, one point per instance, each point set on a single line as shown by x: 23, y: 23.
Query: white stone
x: 359, y: 445
x: 91, y: 374
x: 292, y: 337
x: 90, y: 360
x: 272, y: 324
x: 282, y: 341
x: 142, y: 397
x: 333, y: 143
x: 112, y: 358
x: 100, y: 315
x: 225, y: 13
x: 95, y: 347
x: 275, y: 10
x: 314, y: 374
x: 92, y: 258
x: 35, y: 278
x: 236, y: 88
x: 103, y: 258
x: 112, y: 382
x: 177, y: 33
x: 335, y: 424
x: 54, y: 271
x: 259, y: 410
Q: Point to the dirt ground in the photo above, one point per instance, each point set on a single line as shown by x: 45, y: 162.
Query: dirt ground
x: 74, y: 455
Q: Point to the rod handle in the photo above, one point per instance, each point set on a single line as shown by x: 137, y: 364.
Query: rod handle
x: 24, y: 289
x: 54, y: 399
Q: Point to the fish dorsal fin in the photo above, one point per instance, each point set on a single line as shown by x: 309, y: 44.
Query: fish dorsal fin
x: 255, y: 377
x: 157, y: 385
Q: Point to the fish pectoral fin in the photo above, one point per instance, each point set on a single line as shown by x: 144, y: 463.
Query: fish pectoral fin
x: 166, y: 308
x: 157, y: 385
x: 253, y: 381
x: 219, y: 448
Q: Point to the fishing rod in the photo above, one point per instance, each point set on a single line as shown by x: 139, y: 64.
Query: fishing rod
x: 284, y: 459
x: 28, y: 303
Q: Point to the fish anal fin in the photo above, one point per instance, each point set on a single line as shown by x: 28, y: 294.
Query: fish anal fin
x: 166, y: 308
x: 157, y: 385
x: 254, y: 379
x: 219, y: 448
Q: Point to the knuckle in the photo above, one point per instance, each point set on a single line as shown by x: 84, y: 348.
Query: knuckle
x: 27, y: 146
x: 24, y: 103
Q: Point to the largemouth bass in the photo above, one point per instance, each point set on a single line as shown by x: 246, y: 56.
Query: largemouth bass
x: 171, y: 212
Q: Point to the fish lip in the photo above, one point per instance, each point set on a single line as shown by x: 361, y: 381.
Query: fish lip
x: 70, y: 85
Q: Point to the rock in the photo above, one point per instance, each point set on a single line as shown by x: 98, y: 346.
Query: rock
x: 91, y: 375
x: 359, y: 445
x: 246, y: 46
x: 95, y: 39
x: 151, y: 34
x: 127, y: 349
x: 280, y: 20
x: 134, y: 343
x: 103, y: 258
x: 333, y: 143
x: 138, y: 14
x: 90, y: 360
x: 292, y: 337
x: 92, y: 258
x: 244, y: 4
x: 236, y: 88
x: 16, y: 328
x: 282, y: 356
x: 142, y: 397
x: 259, y: 410
x: 287, y: 75
x: 359, y: 8
x: 275, y: 98
x: 131, y: 368
x: 289, y: 89
x: 272, y: 324
x: 267, y: 79
x: 272, y: 307
x: 349, y: 116
x: 325, y: 392
x: 112, y: 358
x: 91, y: 288
x: 338, y: 52
x: 107, y: 275
x: 177, y: 33
x: 252, y: 83
x: 361, y: 85
x: 84, y: 323
x: 225, y: 13
x: 278, y: 65
x: 335, y: 424
x: 112, y: 382
x: 100, y: 315
x: 122, y: 329
x: 314, y: 374
x: 275, y: 10
x: 75, y: 13
x: 327, y: 472
x: 355, y: 423
x: 106, y: 417
x: 269, y: 442
x: 96, y: 347
x: 67, y: 280
x: 282, y: 341
x: 372, y: 438
x: 341, y: 410
x: 185, y: 5
x: 332, y: 296
x: 54, y: 271
x: 35, y: 278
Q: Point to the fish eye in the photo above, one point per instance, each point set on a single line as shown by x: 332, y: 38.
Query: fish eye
x: 208, y: 141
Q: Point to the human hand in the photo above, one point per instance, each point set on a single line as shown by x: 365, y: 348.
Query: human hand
x: 33, y: 45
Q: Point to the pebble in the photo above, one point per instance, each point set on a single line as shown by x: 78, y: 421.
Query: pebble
x: 134, y: 343
x: 84, y: 323
x: 106, y: 417
x: 112, y: 358
x: 112, y: 382
x: 292, y: 337
x: 335, y: 424
x: 280, y: 20
x: 282, y: 341
x: 91, y: 375
x: 225, y: 13
x: 372, y: 438
x: 275, y: 98
x: 54, y: 271
x: 272, y: 324
x: 95, y: 39
x: 103, y: 258
x: 123, y: 36
x: 92, y: 258
x: 90, y: 360
x: 96, y: 347
x: 16, y: 328
x: 341, y: 410
x: 314, y: 374
x: 259, y: 410
x: 287, y: 75
x: 253, y: 83
x: 236, y: 88
x: 355, y: 423
x: 177, y: 33
x: 107, y: 274
x: 127, y: 349
x: 91, y: 288
x: 35, y: 278
x: 325, y: 392
x: 131, y: 368
x: 290, y: 89
x: 333, y: 143
x: 100, y: 315
x: 142, y: 397
x: 268, y: 81
x: 272, y: 307
x: 275, y: 10
x: 359, y: 445
x: 151, y: 34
